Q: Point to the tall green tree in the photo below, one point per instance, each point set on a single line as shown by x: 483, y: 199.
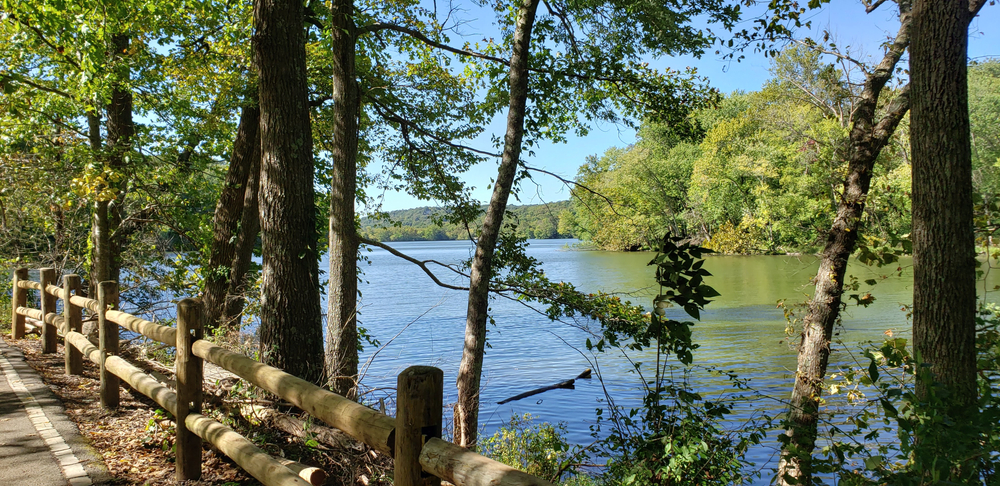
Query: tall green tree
x: 944, y: 266
x: 235, y: 225
x: 604, y: 57
x: 471, y: 368
x: 109, y: 64
x: 342, y: 302
x: 870, y: 132
x: 291, y: 329
x: 409, y: 108
x: 628, y: 199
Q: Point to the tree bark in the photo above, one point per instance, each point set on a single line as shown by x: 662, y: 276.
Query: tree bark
x: 246, y: 241
x: 944, y: 292
x: 230, y: 214
x: 867, y: 138
x: 291, y: 336
x: 120, y: 132
x: 471, y: 368
x: 99, y: 251
x: 341, y: 315
x: 108, y: 242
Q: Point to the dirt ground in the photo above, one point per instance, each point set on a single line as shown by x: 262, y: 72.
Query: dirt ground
x: 136, y: 440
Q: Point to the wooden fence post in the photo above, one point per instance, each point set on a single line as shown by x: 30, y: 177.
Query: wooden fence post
x: 107, y: 295
x: 188, y: 369
x: 419, y: 403
x: 48, y: 277
x: 19, y: 298
x: 72, y: 321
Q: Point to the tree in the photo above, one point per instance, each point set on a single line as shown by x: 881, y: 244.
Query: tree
x: 408, y: 108
x: 235, y: 226
x: 870, y: 131
x: 598, y: 70
x: 109, y: 64
x: 471, y: 369
x: 645, y: 185
x: 944, y: 266
x: 109, y: 214
x: 291, y: 333
x: 342, y: 303
x: 984, y: 110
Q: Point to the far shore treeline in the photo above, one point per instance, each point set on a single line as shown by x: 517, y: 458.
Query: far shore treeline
x: 534, y: 221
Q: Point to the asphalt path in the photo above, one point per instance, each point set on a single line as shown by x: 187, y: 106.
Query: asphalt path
x: 39, y: 445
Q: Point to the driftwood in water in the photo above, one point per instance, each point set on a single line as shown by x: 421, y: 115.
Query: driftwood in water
x: 568, y: 384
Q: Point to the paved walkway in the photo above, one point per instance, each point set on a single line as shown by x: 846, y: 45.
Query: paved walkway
x: 39, y: 445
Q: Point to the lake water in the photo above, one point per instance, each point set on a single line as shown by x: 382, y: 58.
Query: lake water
x: 419, y: 323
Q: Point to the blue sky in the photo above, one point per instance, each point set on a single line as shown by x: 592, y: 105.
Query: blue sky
x: 844, y: 19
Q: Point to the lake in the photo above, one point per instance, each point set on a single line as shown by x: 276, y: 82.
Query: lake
x: 419, y: 323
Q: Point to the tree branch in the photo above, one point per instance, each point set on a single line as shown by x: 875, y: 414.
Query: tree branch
x: 392, y: 116
x: 563, y: 18
x: 21, y: 79
x: 844, y: 57
x: 420, y: 263
x: 572, y: 183
x: 975, y: 6
x: 871, y: 8
x: 416, y: 34
x: 41, y: 37
x: 896, y: 111
x: 379, y: 26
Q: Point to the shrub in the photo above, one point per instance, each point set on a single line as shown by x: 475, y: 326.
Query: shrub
x: 537, y: 449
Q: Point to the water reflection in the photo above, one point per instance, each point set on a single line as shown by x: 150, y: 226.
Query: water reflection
x: 743, y: 330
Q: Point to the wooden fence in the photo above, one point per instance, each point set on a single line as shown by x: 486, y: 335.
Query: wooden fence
x: 412, y: 438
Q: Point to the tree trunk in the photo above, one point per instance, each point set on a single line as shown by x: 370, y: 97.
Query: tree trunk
x: 291, y: 336
x: 108, y: 215
x: 99, y: 251
x: 471, y: 369
x: 246, y: 241
x: 341, y: 315
x: 867, y: 138
x: 229, y: 216
x: 944, y: 291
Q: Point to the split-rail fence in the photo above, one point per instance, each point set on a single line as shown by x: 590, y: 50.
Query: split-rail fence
x: 412, y: 438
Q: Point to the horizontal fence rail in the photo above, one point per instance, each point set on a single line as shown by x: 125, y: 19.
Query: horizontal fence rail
x: 421, y: 457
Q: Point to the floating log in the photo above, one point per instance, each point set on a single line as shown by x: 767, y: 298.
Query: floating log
x: 568, y: 384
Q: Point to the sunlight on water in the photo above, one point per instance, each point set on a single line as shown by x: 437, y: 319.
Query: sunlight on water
x: 743, y: 330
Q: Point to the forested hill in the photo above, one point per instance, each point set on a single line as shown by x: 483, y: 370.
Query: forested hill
x: 537, y: 221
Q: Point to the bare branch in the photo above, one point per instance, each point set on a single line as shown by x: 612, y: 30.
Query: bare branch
x: 392, y: 116
x: 416, y: 34
x: 420, y: 263
x: 839, y: 55
x: 33, y: 84
x: 877, y: 79
x: 572, y: 183
x: 871, y: 8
